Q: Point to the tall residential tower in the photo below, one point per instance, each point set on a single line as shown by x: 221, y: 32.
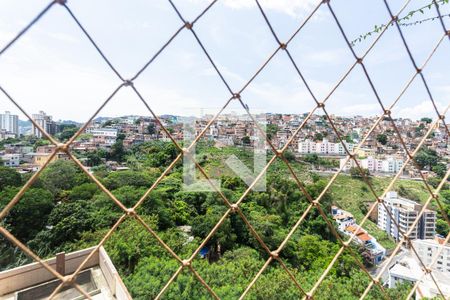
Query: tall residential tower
x: 400, y: 215
x: 9, y: 123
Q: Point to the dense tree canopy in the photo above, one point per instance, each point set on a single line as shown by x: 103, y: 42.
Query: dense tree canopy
x: 426, y: 158
x: 9, y: 177
x: 382, y: 138
x: 67, y: 131
x: 62, y: 175
x: 129, y: 178
x: 29, y: 215
x: 64, y: 211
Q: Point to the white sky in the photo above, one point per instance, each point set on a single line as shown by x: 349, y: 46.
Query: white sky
x: 54, y: 67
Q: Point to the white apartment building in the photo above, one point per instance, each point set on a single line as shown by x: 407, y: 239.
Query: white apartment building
x: 404, y: 212
x: 45, y: 122
x: 408, y: 269
x: 10, y: 160
x: 324, y: 147
x: 9, y: 123
x: 103, y: 136
x: 111, y: 132
x: 387, y: 165
x: 428, y: 249
x: 307, y: 146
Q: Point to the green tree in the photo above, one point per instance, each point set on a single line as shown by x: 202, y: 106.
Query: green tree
x: 84, y: 191
x: 426, y: 120
x: 118, y: 151
x: 67, y: 222
x: 202, y: 225
x: 29, y: 215
x: 318, y: 136
x: 182, y: 212
x: 40, y: 142
x: 156, y: 153
x: 313, y: 252
x: 271, y: 131
x: 62, y: 175
x: 109, y: 123
x: 348, y: 138
x: 151, y: 128
x: 442, y: 227
x: 131, y: 235
x: 128, y: 178
x: 246, y: 140
x: 445, y: 193
x: 426, y: 158
x: 355, y: 172
x: 311, y: 158
x: 419, y: 129
x: 440, y: 169
x: 289, y: 155
x: 382, y: 138
x: 195, y: 200
x: 129, y: 195
x: 170, y: 130
x: 9, y: 177
x: 67, y: 132
x: 94, y: 158
x: 228, y: 278
x: 8, y: 141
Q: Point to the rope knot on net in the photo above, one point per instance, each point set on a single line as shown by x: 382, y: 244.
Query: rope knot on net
x: 128, y: 82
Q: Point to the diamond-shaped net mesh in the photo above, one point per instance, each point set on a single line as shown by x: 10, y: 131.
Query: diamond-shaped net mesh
x: 235, y: 208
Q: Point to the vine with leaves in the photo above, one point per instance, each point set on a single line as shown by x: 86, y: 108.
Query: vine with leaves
x: 402, y: 21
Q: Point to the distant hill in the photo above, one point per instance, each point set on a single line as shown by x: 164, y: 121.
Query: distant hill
x: 70, y: 122
x: 102, y: 119
x: 24, y: 126
x: 26, y: 123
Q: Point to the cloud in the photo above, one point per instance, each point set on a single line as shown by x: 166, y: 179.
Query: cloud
x: 360, y: 109
x: 57, y: 70
x: 293, y: 8
x: 445, y: 89
x: 422, y: 109
x: 332, y: 56
x: 63, y: 37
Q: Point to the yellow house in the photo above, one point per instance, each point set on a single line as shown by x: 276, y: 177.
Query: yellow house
x: 364, y: 152
x: 39, y: 159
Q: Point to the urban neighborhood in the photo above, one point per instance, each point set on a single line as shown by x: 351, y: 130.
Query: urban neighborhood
x: 25, y: 149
